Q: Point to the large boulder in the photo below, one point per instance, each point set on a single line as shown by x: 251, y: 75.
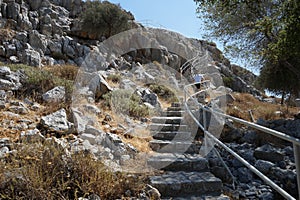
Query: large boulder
x: 9, y: 80
x: 31, y: 57
x: 37, y: 41
x: 35, y: 4
x: 269, y: 153
x: 56, y: 94
x: 56, y: 123
x: 99, y: 86
x: 12, y: 10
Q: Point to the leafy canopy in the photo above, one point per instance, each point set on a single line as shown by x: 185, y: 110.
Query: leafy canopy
x: 105, y: 18
x: 266, y: 32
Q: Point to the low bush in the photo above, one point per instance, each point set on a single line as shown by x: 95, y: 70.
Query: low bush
x: 44, y: 171
x: 163, y: 92
x: 115, y: 78
x: 124, y: 101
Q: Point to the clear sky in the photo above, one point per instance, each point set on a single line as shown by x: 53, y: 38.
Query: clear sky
x: 175, y: 15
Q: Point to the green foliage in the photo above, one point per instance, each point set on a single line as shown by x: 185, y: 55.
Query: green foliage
x: 38, y: 81
x: 124, y: 101
x: 164, y: 92
x: 266, y: 32
x: 104, y: 18
x: 44, y: 171
x: 228, y: 81
x: 116, y: 78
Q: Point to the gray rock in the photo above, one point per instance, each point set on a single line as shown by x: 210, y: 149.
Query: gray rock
x: 249, y: 137
x: 4, y: 71
x: 19, y: 110
x: 244, y: 175
x: 90, y: 137
x: 22, y: 37
x: 55, y: 47
x: 34, y: 19
x: 99, y: 86
x: 8, y: 85
x: 2, y: 49
x: 3, y: 151
x: 11, y: 50
x: 32, y: 136
x: 35, y: 4
x: 266, y: 196
x: 37, y: 41
x: 92, y: 109
x: 12, y: 10
x: 227, y: 98
x: 56, y: 94
x: 264, y: 166
x: 269, y: 153
x: 31, y: 57
x: 2, y: 104
x: 46, y: 29
x: 127, y: 84
x: 56, y: 122
x: 150, y: 98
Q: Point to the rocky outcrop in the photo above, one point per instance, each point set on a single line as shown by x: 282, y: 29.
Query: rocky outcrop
x: 41, y: 28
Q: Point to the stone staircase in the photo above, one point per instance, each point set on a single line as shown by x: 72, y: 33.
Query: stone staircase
x: 184, y: 173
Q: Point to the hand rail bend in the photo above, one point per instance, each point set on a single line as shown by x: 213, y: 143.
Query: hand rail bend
x: 295, y: 141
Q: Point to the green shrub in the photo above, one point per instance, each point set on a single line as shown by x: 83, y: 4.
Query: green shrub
x: 44, y: 171
x: 39, y: 81
x: 228, y: 81
x: 105, y: 18
x: 164, y: 92
x: 124, y: 101
x: 116, y: 78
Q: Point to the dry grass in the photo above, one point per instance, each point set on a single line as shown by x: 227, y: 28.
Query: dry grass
x: 245, y: 102
x: 7, y: 34
x: 44, y: 171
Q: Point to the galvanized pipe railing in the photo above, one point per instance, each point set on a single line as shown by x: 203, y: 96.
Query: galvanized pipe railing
x: 295, y: 141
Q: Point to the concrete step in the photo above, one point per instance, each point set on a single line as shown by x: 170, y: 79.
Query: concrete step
x: 179, y: 162
x: 203, y: 197
x: 185, y: 184
x: 173, y: 135
x: 176, y: 104
x: 174, y: 109
x: 173, y: 113
x: 167, y: 120
x: 167, y: 127
x: 166, y: 146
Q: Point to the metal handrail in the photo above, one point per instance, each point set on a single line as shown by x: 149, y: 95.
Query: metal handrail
x: 295, y: 141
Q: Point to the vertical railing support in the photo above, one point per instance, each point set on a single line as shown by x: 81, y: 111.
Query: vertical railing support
x: 297, y: 162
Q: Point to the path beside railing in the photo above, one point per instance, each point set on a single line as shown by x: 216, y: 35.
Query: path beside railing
x: 293, y: 140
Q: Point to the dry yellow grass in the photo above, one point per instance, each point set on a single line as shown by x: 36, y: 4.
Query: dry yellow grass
x: 245, y: 102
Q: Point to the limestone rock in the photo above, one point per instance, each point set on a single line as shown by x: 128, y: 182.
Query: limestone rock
x: 31, y: 57
x: 99, y: 86
x: 269, y: 153
x: 56, y: 94
x: 56, y: 122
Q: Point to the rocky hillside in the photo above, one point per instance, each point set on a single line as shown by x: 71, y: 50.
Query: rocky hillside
x: 56, y: 89
x: 39, y: 33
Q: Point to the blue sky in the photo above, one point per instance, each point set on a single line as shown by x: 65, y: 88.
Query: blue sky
x: 175, y: 15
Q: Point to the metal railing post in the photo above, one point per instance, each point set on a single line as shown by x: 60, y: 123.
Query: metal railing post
x: 297, y: 162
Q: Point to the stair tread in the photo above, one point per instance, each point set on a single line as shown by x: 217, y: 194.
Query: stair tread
x: 178, y: 162
x: 171, y: 142
x: 177, y: 184
x: 172, y: 135
x: 184, y: 177
x: 167, y: 117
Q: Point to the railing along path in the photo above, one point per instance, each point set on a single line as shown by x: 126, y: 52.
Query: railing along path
x: 205, y: 109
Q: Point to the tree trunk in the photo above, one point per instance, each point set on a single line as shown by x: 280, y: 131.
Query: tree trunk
x: 282, y: 98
